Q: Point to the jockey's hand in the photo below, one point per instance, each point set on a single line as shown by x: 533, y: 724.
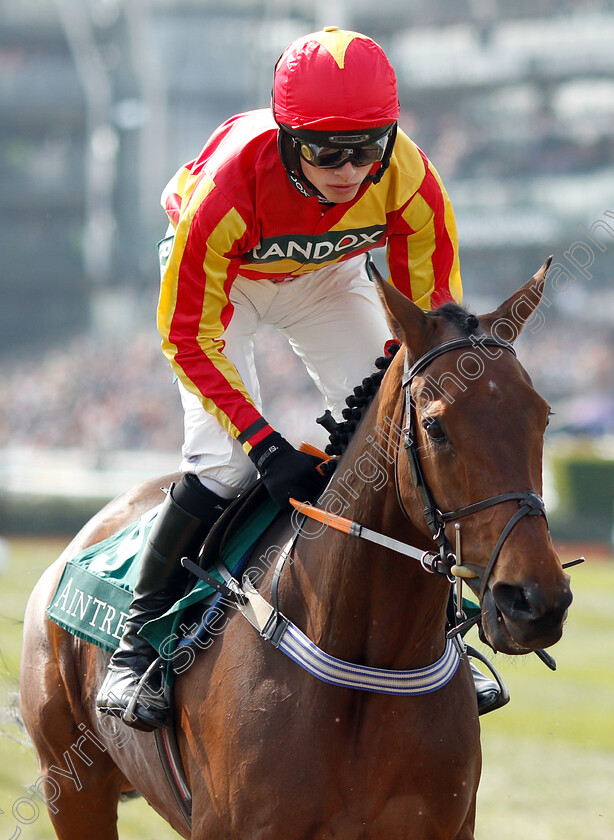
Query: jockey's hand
x: 286, y: 472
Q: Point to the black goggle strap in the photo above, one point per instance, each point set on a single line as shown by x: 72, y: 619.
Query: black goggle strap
x: 290, y: 160
x: 376, y: 176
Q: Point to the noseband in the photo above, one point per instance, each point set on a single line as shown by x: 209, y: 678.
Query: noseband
x: 530, y: 502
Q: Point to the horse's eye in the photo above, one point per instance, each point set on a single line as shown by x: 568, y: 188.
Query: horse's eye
x: 433, y: 429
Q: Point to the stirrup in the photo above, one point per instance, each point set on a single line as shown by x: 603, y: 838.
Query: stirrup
x: 133, y: 701
x: 129, y: 717
x: 504, y: 696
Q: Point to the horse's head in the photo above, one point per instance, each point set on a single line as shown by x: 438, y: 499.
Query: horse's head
x: 475, y: 427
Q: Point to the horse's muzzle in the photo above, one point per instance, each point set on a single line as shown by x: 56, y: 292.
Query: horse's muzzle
x: 518, y: 619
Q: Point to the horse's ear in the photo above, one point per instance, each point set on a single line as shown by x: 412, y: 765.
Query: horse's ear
x: 507, y: 321
x: 407, y: 322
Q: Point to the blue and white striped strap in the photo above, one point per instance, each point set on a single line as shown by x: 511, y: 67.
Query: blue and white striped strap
x: 335, y: 671
x: 296, y: 645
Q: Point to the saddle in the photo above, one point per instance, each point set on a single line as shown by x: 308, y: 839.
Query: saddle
x: 252, y: 504
x: 222, y: 558
x: 253, y: 511
x: 250, y: 514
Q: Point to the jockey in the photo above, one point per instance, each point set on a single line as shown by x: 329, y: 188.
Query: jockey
x: 272, y: 223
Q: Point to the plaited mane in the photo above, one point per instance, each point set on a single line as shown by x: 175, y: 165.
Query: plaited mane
x: 340, y: 434
x: 357, y: 403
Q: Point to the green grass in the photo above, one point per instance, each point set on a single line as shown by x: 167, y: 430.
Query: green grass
x: 18, y: 768
x: 548, y: 756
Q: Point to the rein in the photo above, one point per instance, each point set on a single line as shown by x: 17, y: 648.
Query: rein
x: 283, y: 634
x: 275, y: 628
x: 445, y: 561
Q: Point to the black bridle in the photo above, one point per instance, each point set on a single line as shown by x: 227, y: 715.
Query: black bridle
x: 530, y: 502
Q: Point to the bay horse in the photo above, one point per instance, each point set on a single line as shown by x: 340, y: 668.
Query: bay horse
x: 269, y: 750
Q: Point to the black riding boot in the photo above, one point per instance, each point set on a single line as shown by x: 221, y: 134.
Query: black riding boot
x: 187, y: 514
x: 489, y: 693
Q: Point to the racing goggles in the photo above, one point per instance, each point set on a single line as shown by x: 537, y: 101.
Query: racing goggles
x: 363, y: 151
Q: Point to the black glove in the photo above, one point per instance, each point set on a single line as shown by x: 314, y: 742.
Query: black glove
x: 286, y: 472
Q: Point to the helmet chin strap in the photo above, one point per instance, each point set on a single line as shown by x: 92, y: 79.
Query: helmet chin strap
x: 292, y: 164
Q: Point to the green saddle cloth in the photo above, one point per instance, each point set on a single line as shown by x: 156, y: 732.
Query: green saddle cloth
x: 93, y: 596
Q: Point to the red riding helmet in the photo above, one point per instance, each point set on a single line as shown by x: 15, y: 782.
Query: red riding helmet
x: 334, y: 79
x: 329, y: 84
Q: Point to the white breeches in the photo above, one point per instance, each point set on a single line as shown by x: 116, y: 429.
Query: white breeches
x: 335, y: 324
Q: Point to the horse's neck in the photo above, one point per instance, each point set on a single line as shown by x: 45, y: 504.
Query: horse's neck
x: 358, y: 600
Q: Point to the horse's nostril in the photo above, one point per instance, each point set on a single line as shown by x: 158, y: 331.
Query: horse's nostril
x: 512, y: 600
x: 529, y: 603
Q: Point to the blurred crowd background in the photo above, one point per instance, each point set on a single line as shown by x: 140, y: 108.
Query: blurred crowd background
x: 102, y: 100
